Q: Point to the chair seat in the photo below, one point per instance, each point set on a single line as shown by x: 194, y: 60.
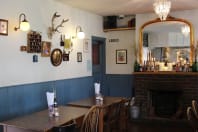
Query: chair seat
x: 65, y: 128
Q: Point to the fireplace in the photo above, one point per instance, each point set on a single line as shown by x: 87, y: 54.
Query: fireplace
x: 165, y: 94
x: 165, y: 103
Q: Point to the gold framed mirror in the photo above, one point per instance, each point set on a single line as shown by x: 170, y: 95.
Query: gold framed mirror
x: 170, y: 20
x: 56, y: 57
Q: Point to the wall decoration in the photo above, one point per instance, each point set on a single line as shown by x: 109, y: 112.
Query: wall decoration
x: 121, y: 56
x: 23, y: 48
x: 3, y: 27
x: 35, y: 58
x: 56, y: 57
x: 86, y: 44
x: 34, y: 42
x: 46, y: 49
x: 65, y: 56
x: 53, y: 29
x: 79, y: 56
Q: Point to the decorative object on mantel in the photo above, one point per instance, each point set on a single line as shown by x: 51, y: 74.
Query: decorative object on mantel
x: 195, y: 63
x: 34, y: 42
x: 3, y: 27
x: 53, y: 29
x: 56, y: 57
x: 162, y: 8
x: 23, y: 24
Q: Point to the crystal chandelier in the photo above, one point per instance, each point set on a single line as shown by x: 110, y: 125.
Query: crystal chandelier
x: 185, y: 30
x: 162, y: 8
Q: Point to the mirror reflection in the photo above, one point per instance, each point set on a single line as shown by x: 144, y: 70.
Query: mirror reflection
x: 168, y: 43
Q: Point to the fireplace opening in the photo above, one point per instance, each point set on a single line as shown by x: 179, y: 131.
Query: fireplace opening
x: 165, y: 104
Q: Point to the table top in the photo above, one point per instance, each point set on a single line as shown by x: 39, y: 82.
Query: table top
x: 40, y: 121
x: 89, y: 102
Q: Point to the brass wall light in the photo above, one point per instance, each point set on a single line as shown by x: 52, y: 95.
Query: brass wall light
x: 79, y: 33
x: 23, y: 24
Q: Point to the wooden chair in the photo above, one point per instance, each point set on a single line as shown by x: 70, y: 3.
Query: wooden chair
x: 124, y: 114
x: 91, y: 120
x: 65, y: 128
x: 195, y: 108
x: 112, y: 117
x: 192, y: 119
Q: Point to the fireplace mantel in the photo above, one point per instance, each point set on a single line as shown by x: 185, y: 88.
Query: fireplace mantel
x: 187, y: 82
x: 166, y: 73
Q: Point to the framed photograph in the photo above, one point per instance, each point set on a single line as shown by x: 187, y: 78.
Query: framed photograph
x: 86, y: 44
x: 3, y: 27
x: 121, y: 56
x: 79, y: 56
x: 46, y: 49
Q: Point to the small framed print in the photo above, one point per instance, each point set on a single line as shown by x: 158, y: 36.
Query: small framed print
x: 121, y: 56
x: 79, y: 56
x: 86, y: 45
x: 46, y: 49
x: 3, y: 27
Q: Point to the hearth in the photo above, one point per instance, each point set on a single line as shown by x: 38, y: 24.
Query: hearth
x: 165, y: 103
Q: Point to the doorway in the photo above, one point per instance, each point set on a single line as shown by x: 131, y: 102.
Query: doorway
x: 98, y: 61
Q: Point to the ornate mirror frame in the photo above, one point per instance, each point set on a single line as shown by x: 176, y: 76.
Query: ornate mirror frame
x: 169, y: 18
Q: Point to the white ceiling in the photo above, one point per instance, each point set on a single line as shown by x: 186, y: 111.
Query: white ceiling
x: 126, y: 7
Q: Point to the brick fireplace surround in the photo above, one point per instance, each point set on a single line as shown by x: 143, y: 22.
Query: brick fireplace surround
x: 186, y: 82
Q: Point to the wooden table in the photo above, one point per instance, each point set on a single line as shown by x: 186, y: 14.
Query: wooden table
x: 41, y: 122
x: 89, y: 102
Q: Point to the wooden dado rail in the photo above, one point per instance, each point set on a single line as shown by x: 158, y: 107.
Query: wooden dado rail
x: 187, y: 82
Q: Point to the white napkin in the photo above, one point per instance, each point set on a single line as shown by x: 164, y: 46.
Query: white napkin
x: 97, y: 88
x: 50, y: 98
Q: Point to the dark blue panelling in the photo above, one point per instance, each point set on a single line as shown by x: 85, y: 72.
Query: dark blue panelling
x: 119, y: 85
x: 24, y: 99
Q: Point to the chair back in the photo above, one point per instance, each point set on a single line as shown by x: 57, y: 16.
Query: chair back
x: 112, y: 116
x: 91, y: 120
x: 192, y: 118
x: 65, y: 128
x: 195, y: 108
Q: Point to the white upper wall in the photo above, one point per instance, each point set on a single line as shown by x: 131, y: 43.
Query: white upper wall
x: 16, y: 67
x: 126, y: 41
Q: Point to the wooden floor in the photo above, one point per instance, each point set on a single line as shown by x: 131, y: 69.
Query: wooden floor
x: 141, y: 126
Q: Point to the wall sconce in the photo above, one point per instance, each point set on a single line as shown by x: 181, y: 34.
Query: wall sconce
x: 79, y: 33
x: 23, y: 24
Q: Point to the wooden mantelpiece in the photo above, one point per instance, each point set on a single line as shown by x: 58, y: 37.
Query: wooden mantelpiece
x: 186, y: 82
x: 166, y: 73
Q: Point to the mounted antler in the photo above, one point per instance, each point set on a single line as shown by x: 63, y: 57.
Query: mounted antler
x: 53, y: 29
x: 60, y: 25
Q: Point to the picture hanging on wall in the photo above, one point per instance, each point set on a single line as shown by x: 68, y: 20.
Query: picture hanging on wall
x: 46, y: 49
x: 79, y: 56
x: 86, y: 44
x: 3, y: 27
x: 121, y: 56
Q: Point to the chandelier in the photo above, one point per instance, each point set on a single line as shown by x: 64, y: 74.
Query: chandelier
x: 162, y: 8
x: 185, y: 30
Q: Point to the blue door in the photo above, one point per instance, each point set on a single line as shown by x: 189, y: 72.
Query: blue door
x: 98, y: 61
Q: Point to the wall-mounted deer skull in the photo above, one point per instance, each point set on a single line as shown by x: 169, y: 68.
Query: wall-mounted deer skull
x: 53, y: 29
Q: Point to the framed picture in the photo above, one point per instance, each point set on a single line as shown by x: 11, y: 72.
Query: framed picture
x: 3, y: 27
x: 46, y: 49
x: 86, y: 44
x: 121, y: 56
x: 79, y: 56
